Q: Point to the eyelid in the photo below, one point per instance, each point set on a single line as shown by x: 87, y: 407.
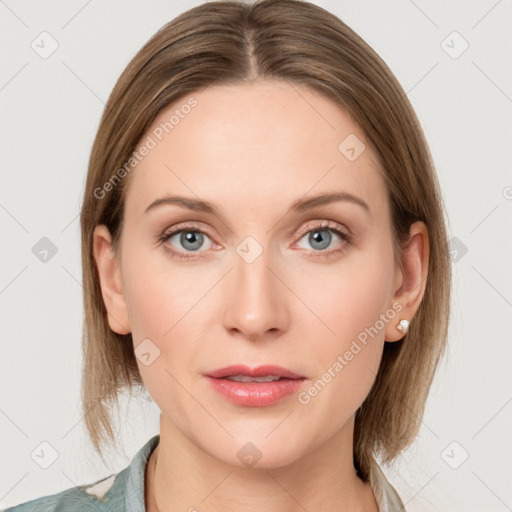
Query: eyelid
x: 186, y: 226
x: 324, y: 224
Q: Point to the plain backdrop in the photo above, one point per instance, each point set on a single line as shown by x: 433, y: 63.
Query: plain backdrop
x: 453, y: 60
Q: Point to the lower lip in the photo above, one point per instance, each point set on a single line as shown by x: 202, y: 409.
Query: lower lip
x: 255, y: 394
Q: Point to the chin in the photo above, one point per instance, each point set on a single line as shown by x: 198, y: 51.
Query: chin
x: 261, y: 453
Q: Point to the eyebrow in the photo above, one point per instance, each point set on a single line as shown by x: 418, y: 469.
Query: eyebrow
x: 300, y: 205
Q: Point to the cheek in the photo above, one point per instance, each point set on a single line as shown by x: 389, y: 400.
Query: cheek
x: 160, y: 307
x: 166, y: 304
x: 349, y: 299
x: 353, y: 301
x: 157, y: 294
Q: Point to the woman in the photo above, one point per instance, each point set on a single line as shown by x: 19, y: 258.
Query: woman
x: 264, y: 251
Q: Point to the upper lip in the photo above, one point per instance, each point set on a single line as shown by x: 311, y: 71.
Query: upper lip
x: 258, y: 371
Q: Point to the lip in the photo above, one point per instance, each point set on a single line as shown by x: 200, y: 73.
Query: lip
x: 259, y: 371
x: 255, y: 394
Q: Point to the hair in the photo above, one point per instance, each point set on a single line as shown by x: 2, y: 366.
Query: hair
x: 233, y: 42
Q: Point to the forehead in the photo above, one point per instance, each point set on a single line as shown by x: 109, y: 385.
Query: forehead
x: 250, y: 144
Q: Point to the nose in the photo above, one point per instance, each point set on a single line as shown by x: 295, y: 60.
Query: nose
x: 256, y: 300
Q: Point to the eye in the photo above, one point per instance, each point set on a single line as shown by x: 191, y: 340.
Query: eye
x: 321, y: 237
x: 189, y: 240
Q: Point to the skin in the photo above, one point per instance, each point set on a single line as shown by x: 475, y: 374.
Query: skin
x: 253, y: 150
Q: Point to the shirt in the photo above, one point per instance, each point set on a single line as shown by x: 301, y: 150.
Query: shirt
x: 124, y: 491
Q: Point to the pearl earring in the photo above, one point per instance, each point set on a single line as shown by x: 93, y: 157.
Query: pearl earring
x: 403, y: 326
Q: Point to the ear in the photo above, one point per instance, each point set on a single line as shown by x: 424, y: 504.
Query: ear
x: 411, y: 279
x: 110, y: 280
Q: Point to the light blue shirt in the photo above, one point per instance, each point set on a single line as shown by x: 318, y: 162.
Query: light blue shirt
x: 124, y: 491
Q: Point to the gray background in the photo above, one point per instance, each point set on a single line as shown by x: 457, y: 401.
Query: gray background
x: 50, y: 110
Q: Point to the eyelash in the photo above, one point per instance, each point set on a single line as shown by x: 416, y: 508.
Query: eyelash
x: 324, y: 226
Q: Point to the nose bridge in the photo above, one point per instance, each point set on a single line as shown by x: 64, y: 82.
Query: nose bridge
x: 256, y: 304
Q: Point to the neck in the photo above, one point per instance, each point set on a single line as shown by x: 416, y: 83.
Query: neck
x: 181, y: 476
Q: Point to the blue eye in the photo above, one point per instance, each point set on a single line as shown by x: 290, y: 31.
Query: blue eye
x: 190, y: 240
x: 320, y: 238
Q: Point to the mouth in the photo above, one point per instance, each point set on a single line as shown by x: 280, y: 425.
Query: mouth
x: 255, y: 387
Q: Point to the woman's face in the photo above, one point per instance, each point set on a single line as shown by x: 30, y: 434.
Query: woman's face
x: 264, y: 275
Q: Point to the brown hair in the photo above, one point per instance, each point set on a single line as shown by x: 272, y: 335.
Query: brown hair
x: 295, y: 41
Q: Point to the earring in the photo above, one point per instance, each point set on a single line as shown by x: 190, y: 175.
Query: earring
x: 403, y: 326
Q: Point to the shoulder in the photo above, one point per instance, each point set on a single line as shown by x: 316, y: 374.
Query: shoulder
x: 77, y: 499
x: 121, y: 491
